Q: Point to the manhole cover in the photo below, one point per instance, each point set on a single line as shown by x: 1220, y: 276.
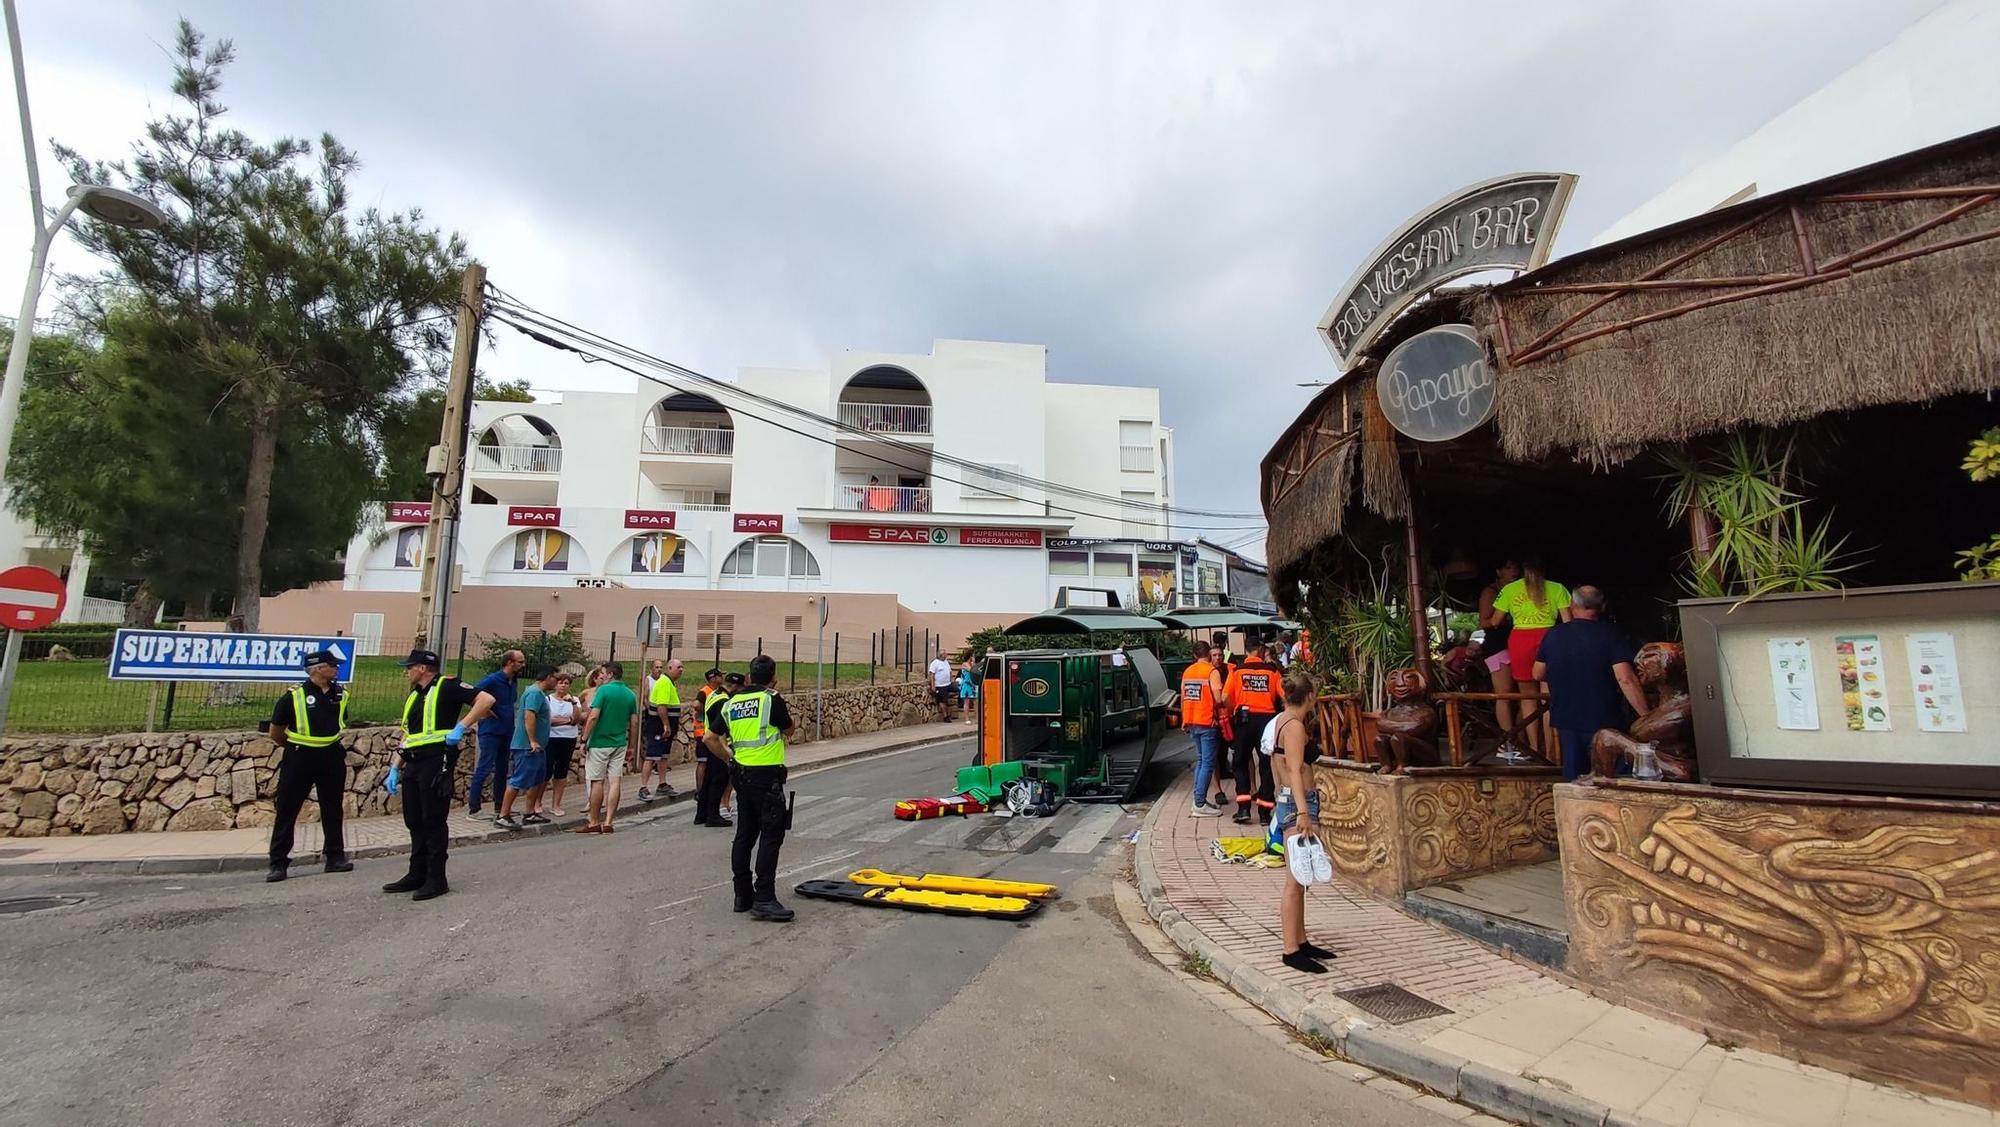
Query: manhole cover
x: 1391, y: 1003
x: 22, y: 905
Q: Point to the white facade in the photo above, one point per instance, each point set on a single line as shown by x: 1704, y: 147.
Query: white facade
x: 827, y: 509
x: 1934, y: 82
x: 21, y: 543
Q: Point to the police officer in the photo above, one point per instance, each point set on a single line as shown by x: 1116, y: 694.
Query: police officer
x: 711, y: 775
x: 747, y: 730
x: 306, y: 723
x: 422, y: 770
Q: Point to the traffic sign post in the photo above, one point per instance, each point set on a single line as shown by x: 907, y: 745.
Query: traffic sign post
x: 30, y: 598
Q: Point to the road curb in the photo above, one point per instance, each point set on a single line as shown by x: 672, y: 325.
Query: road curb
x: 1502, y: 1094
x: 182, y: 866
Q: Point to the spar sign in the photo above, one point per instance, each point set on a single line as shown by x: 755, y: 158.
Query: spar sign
x: 921, y: 534
x: 174, y: 655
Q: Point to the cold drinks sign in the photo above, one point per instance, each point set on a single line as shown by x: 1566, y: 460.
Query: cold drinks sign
x: 1437, y: 385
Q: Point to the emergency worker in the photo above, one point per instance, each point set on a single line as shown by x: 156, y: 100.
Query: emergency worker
x: 307, y: 722
x: 423, y: 768
x: 711, y: 775
x: 1256, y: 694
x: 1203, y: 700
x: 748, y: 730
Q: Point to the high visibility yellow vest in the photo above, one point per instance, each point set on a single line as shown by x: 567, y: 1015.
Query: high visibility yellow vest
x: 427, y: 733
x: 300, y: 733
x: 752, y: 740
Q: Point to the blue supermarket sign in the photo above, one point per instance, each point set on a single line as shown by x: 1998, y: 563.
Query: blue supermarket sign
x: 174, y: 655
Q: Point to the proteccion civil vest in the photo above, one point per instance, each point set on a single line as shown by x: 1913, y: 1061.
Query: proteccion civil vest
x: 1197, y: 691
x: 427, y: 733
x: 1254, y: 686
x: 701, y: 711
x: 300, y: 733
x: 752, y: 739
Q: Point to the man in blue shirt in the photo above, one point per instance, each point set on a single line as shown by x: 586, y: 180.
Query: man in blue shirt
x: 1587, y: 665
x: 529, y: 750
x: 496, y: 731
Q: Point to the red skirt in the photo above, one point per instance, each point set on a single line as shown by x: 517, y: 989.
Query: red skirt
x: 1522, y: 647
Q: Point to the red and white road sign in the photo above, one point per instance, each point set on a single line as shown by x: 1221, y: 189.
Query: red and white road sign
x: 30, y: 597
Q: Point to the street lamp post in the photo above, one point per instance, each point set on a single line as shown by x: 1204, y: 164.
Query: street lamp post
x: 109, y: 205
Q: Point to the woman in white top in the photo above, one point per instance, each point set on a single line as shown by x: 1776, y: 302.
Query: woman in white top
x: 564, y: 712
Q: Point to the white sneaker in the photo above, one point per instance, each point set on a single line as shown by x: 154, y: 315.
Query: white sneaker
x: 1297, y: 848
x: 1322, y: 865
x: 1203, y: 810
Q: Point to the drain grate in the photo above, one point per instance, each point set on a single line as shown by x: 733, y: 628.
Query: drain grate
x: 22, y: 905
x: 1391, y: 1003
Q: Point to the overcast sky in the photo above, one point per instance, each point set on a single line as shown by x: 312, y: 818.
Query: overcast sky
x: 1161, y: 193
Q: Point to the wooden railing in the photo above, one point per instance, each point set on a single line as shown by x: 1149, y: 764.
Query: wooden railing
x: 1338, y: 716
x: 1531, y: 711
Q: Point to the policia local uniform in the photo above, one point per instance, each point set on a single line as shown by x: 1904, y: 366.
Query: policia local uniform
x: 429, y: 757
x: 311, y: 720
x: 754, y: 721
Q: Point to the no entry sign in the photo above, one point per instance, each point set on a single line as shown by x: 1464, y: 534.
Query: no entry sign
x: 30, y: 597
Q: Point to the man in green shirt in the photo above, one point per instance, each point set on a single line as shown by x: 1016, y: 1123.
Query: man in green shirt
x: 663, y: 723
x: 611, y: 735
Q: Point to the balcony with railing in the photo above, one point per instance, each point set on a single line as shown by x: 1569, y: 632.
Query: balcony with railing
x: 891, y: 420
x: 883, y: 499
x: 697, y: 500
x: 699, y: 442
x: 517, y: 459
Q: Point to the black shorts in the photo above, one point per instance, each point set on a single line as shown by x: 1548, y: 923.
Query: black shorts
x: 561, y: 749
x: 945, y: 693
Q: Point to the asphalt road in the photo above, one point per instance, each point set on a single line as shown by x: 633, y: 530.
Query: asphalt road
x: 591, y: 980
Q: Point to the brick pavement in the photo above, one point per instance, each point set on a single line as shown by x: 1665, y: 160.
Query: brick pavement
x: 209, y: 851
x: 1517, y: 1042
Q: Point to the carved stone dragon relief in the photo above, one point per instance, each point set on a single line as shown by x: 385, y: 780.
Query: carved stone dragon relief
x: 1889, y: 929
x: 1452, y: 830
x: 1352, y: 825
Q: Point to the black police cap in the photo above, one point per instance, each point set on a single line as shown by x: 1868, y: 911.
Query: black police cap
x: 320, y: 657
x: 422, y: 657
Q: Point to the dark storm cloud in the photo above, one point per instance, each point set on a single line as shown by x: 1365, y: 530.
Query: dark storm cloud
x: 1162, y: 194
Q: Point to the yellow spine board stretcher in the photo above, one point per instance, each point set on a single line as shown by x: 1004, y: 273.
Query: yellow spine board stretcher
x: 910, y: 900
x: 945, y: 882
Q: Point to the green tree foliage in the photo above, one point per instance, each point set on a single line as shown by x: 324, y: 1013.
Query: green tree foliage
x: 1982, y: 463
x: 410, y: 429
x: 564, y: 647
x: 250, y: 350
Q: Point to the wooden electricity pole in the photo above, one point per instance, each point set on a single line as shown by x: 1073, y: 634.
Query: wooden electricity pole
x: 446, y: 466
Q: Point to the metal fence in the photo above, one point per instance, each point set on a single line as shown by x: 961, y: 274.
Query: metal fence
x: 75, y: 695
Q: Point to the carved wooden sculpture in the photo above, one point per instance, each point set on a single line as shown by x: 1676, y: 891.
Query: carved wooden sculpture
x: 1405, y: 735
x: 1669, y: 727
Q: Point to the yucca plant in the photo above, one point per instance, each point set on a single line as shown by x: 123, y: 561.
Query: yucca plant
x: 1761, y: 542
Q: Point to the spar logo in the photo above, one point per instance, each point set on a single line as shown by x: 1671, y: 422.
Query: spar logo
x: 939, y: 536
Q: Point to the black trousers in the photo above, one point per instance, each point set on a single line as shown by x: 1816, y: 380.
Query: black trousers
x: 760, y: 824
x: 322, y: 770
x: 714, y: 781
x: 1243, y: 756
x: 426, y: 789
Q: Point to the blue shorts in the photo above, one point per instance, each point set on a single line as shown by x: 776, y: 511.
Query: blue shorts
x: 530, y: 769
x: 1281, y: 820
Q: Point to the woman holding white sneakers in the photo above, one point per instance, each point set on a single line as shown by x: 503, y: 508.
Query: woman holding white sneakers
x: 1295, y: 825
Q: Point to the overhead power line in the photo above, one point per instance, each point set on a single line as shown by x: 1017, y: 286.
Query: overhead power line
x: 726, y: 389
x: 509, y: 318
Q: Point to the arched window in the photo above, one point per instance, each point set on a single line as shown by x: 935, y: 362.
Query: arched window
x: 771, y: 557
x: 541, y: 549
x: 659, y: 553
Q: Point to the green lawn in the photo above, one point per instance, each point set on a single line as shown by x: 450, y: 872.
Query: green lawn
x: 76, y: 696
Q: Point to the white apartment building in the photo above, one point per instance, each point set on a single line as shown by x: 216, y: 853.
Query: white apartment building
x: 684, y: 497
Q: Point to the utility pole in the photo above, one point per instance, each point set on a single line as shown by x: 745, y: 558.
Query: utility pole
x: 446, y: 464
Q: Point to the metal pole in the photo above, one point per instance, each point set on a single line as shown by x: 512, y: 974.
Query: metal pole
x: 760, y: 645
x: 13, y: 654
x: 463, y: 631
x: 819, y: 673
x: 795, y: 664
x: 611, y: 656
x: 836, y: 659
x: 718, y: 650
x: 167, y: 713
x: 448, y: 488
x: 874, y: 636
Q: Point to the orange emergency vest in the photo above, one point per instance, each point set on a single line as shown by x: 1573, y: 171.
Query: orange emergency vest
x: 1197, y: 696
x: 1254, y: 686
x: 701, y: 713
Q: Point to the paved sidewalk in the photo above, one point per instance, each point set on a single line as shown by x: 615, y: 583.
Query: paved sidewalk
x: 249, y: 848
x: 1517, y: 1043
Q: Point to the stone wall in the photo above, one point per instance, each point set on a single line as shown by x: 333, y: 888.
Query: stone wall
x: 1859, y: 933
x: 1393, y: 833
x: 54, y: 785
